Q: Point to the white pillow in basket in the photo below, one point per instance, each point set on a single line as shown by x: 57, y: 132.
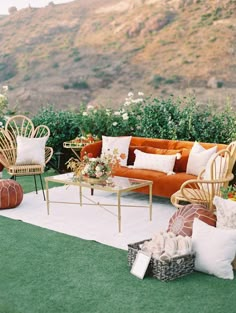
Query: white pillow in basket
x: 198, y: 158
x: 214, y: 249
x: 109, y: 144
x: 30, y: 150
x: 156, y: 162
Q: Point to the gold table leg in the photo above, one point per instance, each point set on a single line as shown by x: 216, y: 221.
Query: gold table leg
x: 119, y: 212
x: 150, y: 202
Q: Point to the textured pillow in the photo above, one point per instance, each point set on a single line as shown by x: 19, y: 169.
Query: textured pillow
x: 109, y: 144
x: 214, y: 249
x: 226, y: 215
x: 225, y: 212
x: 156, y: 162
x: 198, y: 158
x: 30, y: 150
x: 181, y: 222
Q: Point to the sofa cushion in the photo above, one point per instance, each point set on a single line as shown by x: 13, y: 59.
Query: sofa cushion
x: 198, y: 158
x: 181, y: 164
x: 156, y: 162
x: 109, y: 144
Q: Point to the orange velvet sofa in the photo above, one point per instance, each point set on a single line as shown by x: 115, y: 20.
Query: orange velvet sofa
x: 163, y: 185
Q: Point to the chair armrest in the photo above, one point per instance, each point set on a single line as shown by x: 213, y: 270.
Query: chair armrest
x: 95, y: 148
x: 203, y: 191
x: 48, y: 154
x: 8, y: 157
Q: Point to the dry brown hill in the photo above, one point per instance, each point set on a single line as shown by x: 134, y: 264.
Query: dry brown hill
x: 96, y: 51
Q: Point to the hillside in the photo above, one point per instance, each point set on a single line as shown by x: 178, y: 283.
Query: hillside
x: 96, y: 51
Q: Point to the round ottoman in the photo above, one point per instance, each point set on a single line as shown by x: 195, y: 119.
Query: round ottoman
x: 11, y: 194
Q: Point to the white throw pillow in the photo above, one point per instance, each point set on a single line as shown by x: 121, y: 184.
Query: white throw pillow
x: 156, y: 162
x: 198, y: 158
x: 30, y: 150
x: 109, y: 144
x: 214, y: 248
x: 225, y: 212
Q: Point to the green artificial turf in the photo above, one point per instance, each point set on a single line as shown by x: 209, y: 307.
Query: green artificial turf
x: 42, y: 271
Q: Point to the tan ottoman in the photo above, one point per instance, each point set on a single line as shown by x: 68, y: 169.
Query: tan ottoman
x: 11, y: 194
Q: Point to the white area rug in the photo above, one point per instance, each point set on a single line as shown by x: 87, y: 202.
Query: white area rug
x: 92, y: 222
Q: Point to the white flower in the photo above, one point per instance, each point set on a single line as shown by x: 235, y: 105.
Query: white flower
x: 141, y: 94
x: 85, y: 113
x: 114, y: 123
x: 130, y: 94
x: 5, y: 88
x: 116, y: 113
x: 137, y: 100
x: 127, y: 103
x: 1, y: 124
x: 125, y: 116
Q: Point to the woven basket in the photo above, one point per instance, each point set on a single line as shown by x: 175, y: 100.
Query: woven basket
x: 164, y: 270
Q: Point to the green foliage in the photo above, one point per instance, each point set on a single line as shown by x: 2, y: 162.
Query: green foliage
x: 171, y: 118
x: 64, y: 125
x: 55, y: 65
x: 80, y: 85
x: 77, y: 85
x: 159, y: 80
x: 156, y: 81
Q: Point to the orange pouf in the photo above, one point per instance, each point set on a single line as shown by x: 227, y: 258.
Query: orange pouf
x: 11, y: 194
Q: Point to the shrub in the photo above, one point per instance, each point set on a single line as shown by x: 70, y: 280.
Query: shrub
x: 170, y: 118
x: 64, y: 125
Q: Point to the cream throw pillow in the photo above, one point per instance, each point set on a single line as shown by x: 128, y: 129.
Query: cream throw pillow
x: 156, y: 162
x: 30, y: 150
x: 214, y: 248
x: 225, y: 212
x: 109, y: 144
x: 220, y: 169
x: 198, y: 158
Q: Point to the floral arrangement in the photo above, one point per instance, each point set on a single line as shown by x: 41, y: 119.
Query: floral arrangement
x: 229, y: 192
x: 98, y: 168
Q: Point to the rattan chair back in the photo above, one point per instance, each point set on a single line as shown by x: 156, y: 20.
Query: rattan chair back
x: 203, y: 189
x: 19, y: 125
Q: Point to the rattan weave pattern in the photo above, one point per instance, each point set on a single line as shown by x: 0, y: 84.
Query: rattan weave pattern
x: 164, y: 270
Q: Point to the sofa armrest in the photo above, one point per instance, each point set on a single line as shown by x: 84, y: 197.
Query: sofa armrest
x: 95, y: 148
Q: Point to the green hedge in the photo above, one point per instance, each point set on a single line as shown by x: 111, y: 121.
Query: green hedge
x: 171, y: 118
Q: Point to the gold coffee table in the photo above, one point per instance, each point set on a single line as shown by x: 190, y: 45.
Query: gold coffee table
x: 116, y: 185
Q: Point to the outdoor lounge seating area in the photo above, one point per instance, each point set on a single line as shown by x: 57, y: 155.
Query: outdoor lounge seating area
x: 173, y: 173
